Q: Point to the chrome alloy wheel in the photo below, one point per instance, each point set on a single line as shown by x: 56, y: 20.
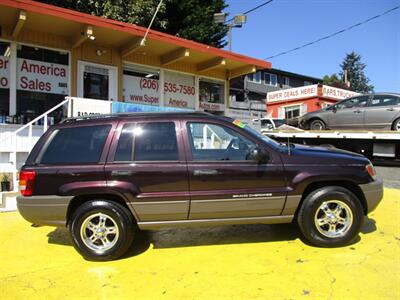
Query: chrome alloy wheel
x: 397, y: 126
x: 99, y: 232
x: 333, y: 218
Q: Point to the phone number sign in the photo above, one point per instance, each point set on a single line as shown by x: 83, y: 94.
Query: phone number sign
x: 179, y: 90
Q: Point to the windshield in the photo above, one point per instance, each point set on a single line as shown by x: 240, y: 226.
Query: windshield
x: 259, y: 135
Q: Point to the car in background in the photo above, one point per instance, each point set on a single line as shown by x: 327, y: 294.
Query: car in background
x: 370, y: 111
x: 270, y: 124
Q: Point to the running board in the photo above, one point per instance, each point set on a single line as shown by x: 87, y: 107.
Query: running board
x: 215, y: 222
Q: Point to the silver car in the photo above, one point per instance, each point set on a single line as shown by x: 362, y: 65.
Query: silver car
x: 372, y: 111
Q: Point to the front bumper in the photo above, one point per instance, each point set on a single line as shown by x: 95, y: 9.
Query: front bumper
x: 44, y: 210
x: 373, y: 193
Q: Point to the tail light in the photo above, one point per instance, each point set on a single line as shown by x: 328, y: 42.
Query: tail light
x: 26, y: 182
x: 371, y: 171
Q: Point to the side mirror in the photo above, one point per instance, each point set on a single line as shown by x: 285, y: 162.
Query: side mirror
x: 334, y: 109
x: 260, y: 155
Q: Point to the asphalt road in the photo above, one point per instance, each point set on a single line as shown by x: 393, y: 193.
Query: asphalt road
x: 390, y: 176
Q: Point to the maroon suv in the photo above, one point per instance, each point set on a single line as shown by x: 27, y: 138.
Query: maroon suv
x: 103, y: 177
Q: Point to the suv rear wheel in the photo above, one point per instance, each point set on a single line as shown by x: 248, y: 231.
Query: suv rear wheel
x: 330, y: 217
x: 102, y: 230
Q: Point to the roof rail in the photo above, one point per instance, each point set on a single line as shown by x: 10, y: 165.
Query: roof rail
x: 131, y: 114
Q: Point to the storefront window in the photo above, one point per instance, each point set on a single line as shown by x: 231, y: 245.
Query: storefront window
x: 292, y: 111
x: 212, y: 96
x: 42, y: 82
x: 141, y: 86
x: 95, y: 83
x: 4, y: 80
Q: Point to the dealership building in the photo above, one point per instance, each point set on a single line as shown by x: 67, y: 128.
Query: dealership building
x: 295, y: 102
x: 48, y: 53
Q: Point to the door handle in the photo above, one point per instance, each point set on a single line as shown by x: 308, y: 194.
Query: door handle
x: 121, y: 173
x: 390, y: 109
x: 357, y: 111
x: 205, y: 172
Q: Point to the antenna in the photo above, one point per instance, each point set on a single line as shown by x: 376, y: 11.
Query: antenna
x: 288, y: 145
x: 143, y: 41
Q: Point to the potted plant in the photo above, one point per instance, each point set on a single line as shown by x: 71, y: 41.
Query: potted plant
x: 5, y: 183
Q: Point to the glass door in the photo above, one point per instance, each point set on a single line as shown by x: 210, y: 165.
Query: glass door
x: 97, y: 81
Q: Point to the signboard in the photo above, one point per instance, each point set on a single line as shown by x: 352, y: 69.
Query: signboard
x: 87, y: 107
x: 44, y: 77
x: 123, y: 107
x: 4, y: 72
x: 140, y: 90
x: 179, y: 90
x: 296, y: 93
x: 335, y: 93
x: 212, y: 106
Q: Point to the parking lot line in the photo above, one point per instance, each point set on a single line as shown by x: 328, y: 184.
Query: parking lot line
x: 232, y: 262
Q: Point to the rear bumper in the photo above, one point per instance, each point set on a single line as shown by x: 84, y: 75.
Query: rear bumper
x: 373, y: 193
x: 44, y: 210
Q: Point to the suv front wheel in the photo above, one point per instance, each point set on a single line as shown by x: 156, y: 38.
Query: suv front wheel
x: 102, y: 230
x: 330, y: 216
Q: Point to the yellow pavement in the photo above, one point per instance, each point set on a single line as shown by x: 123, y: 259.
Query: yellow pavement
x: 233, y: 262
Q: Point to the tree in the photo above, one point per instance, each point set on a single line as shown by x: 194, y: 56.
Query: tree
x: 334, y: 81
x: 331, y: 80
x: 190, y: 19
x: 355, y: 73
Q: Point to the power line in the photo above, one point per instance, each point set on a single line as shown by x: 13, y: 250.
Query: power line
x: 334, y: 34
x: 253, y: 9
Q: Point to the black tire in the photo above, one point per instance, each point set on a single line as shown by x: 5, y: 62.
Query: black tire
x: 311, y: 209
x: 396, y: 125
x: 317, y: 125
x: 116, y: 216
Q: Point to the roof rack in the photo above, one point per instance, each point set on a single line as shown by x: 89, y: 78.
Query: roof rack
x: 131, y: 114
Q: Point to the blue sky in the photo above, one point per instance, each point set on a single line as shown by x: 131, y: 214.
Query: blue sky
x: 285, y: 24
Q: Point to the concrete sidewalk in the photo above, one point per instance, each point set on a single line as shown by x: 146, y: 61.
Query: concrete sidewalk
x: 233, y: 262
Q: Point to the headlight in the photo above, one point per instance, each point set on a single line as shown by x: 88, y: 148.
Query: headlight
x: 371, y: 171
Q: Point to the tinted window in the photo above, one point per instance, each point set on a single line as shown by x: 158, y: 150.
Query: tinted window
x: 385, y: 101
x: 147, y: 142
x: 124, y: 150
x: 215, y: 142
x: 76, y: 145
x: 353, y: 102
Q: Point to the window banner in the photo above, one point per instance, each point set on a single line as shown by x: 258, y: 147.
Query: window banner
x: 44, y: 77
x: 88, y: 107
x: 140, y: 90
x: 179, y: 90
x: 211, y: 106
x: 4, y: 72
x: 123, y: 107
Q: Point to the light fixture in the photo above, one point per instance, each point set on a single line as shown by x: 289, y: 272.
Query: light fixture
x: 91, y: 37
x: 237, y: 22
x: 220, y: 17
x: 149, y: 75
x: 101, y: 52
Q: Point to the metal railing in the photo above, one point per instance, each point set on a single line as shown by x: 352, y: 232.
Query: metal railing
x: 29, y: 141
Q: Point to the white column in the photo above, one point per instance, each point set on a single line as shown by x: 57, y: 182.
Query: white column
x: 161, y: 88
x: 226, y: 96
x: 13, y: 79
x: 197, y: 92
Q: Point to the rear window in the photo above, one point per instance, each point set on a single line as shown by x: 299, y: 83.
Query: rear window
x: 76, y: 145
